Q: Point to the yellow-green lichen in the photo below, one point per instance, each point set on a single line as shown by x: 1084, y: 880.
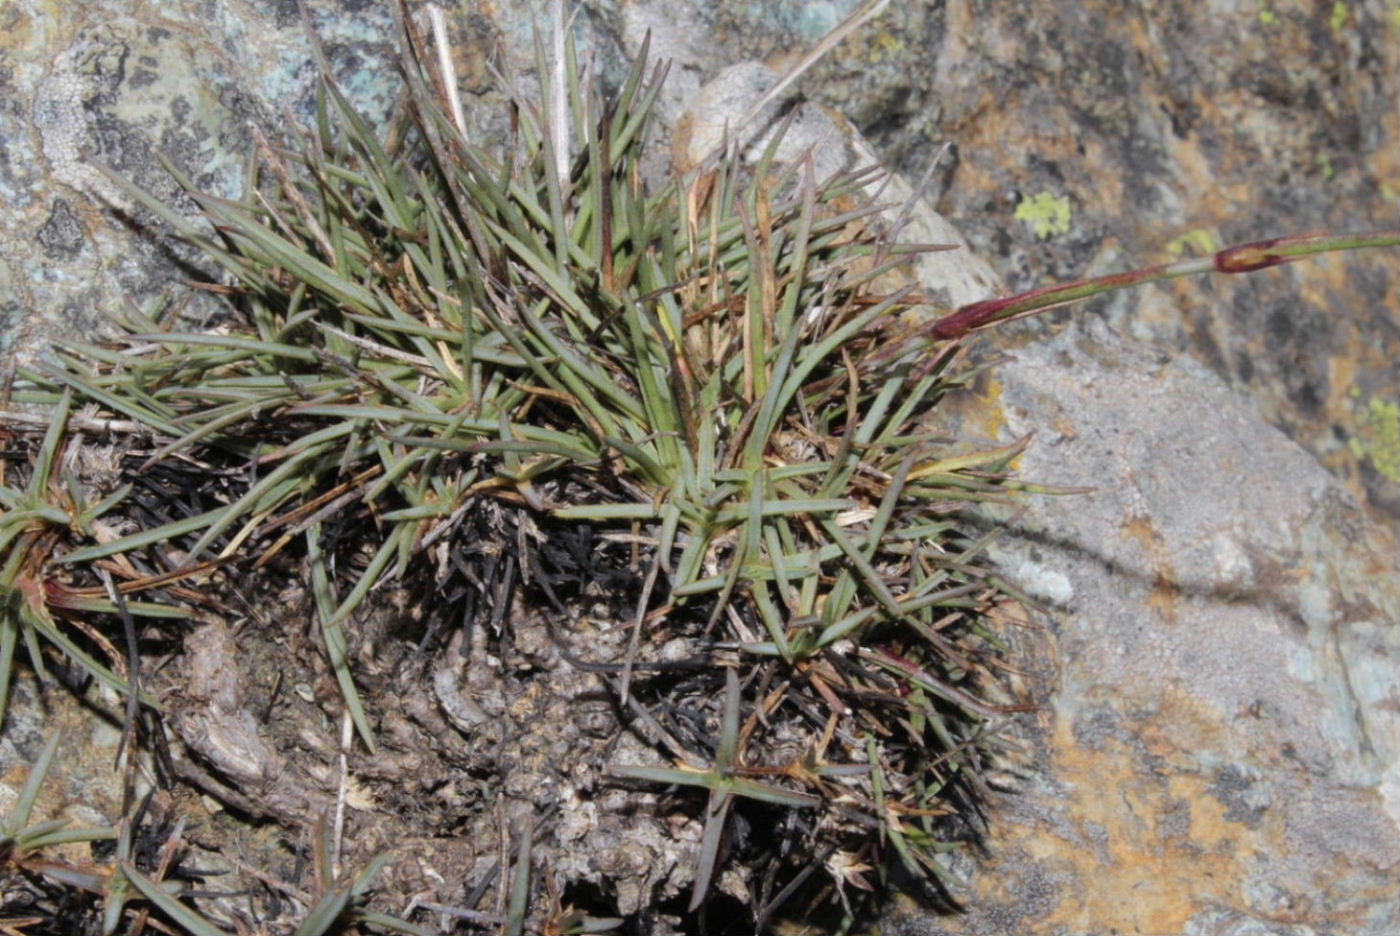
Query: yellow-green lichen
x: 1390, y: 190
x: 1339, y: 14
x: 1324, y: 162
x: 884, y: 45
x: 1266, y: 15
x: 1047, y: 214
x: 1378, y: 437
x: 1199, y: 240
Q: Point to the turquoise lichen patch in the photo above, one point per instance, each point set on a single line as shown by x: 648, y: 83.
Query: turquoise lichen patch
x: 810, y: 19
x: 1199, y: 240
x: 1378, y: 437
x: 1047, y: 214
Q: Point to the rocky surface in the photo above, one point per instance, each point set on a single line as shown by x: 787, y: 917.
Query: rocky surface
x: 1220, y: 753
x: 88, y: 86
x: 1090, y: 137
x: 1083, y: 138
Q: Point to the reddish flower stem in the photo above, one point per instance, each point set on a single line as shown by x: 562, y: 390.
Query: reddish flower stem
x: 1242, y: 258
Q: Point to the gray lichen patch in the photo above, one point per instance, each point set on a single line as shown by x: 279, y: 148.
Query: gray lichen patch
x: 61, y: 235
x: 88, y: 92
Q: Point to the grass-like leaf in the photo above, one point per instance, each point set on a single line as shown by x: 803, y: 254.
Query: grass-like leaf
x: 189, y: 920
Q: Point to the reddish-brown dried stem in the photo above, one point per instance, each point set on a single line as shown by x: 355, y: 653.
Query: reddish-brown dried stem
x: 1242, y: 258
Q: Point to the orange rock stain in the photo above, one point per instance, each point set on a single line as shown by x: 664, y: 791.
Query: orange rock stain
x: 1164, y: 592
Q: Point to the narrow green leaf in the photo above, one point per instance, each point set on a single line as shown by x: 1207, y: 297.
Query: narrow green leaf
x: 752, y: 789
x: 393, y: 923
x: 520, y: 881
x: 49, y: 448
x: 160, y: 534
x: 815, y: 507
x: 337, y: 648
x: 183, y: 916
x: 716, y: 815
x: 608, y: 512
x: 19, y: 817
x: 36, y: 623
x: 667, y: 775
x: 324, y: 913
x: 33, y: 840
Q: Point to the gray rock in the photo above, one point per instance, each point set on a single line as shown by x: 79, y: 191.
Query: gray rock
x: 1225, y: 645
